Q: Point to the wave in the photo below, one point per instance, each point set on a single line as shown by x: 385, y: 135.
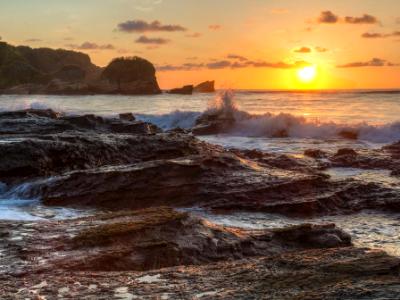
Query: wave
x: 275, y: 125
x: 177, y: 118
x: 254, y: 125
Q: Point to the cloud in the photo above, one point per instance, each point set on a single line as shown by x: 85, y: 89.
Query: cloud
x: 302, y: 50
x: 328, y: 17
x: 184, y: 67
x: 151, y: 41
x: 219, y: 64
x: 364, y: 19
x: 321, y: 49
x: 225, y: 64
x: 375, y: 62
x: 214, y: 27
x: 143, y: 26
x: 33, y: 40
x: 375, y: 35
x: 236, y: 57
x: 91, y: 46
x: 194, y: 35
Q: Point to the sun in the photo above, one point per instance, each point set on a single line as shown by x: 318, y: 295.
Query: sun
x: 307, y: 74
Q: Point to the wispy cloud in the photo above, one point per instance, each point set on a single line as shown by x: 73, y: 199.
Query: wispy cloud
x: 91, y: 46
x: 321, y: 49
x: 302, y: 50
x: 143, y: 26
x: 375, y: 62
x: 328, y: 17
x: 226, y: 64
x: 376, y: 35
x: 236, y: 57
x: 194, y: 35
x: 214, y: 27
x: 151, y: 41
x: 33, y: 40
x: 364, y: 19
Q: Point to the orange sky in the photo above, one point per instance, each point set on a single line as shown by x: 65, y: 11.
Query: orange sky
x: 249, y: 44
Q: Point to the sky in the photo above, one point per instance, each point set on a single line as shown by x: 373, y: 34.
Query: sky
x: 245, y: 44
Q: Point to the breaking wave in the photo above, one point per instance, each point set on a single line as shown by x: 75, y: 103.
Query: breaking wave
x: 276, y: 125
x: 246, y: 124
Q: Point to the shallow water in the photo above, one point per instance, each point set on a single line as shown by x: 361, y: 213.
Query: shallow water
x: 16, y: 205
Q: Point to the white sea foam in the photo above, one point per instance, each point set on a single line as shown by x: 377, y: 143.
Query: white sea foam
x: 271, y: 125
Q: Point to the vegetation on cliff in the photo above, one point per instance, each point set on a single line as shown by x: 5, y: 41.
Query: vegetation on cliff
x: 25, y: 70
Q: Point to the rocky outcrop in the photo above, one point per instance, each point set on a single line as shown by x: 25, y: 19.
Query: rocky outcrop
x: 96, y: 257
x: 24, y: 70
x: 162, y: 237
x: 43, y: 142
x: 123, y: 163
x: 205, y: 87
x: 128, y: 76
x: 186, y: 90
x: 214, y: 122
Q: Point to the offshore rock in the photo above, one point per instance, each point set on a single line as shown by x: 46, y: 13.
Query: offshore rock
x: 205, y: 87
x: 186, y: 90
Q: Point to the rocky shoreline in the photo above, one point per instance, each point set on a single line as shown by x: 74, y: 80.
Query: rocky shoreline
x: 138, y: 243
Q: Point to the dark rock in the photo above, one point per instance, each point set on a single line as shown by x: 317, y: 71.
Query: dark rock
x: 214, y: 122
x: 315, y: 236
x: 205, y: 87
x: 348, y: 134
x: 346, y: 151
x: 127, y: 117
x: 186, y: 90
x: 315, y: 153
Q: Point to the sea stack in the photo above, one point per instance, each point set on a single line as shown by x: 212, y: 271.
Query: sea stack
x: 205, y: 87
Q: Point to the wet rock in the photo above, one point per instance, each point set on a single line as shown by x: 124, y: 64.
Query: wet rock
x: 162, y: 237
x: 345, y: 151
x: 348, y: 134
x: 127, y: 117
x: 393, y: 149
x: 214, y: 123
x: 315, y: 153
x: 308, y: 235
x: 186, y: 90
x: 217, y: 178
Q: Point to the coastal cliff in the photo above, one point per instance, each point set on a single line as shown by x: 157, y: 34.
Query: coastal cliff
x: 24, y: 70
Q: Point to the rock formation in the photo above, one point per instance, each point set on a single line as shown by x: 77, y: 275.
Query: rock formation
x: 24, y: 70
x: 141, y: 238
x: 205, y: 87
x: 186, y: 90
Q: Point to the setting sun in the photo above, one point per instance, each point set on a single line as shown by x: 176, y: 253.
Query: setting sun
x: 307, y: 74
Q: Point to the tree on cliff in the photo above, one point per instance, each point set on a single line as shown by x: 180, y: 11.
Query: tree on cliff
x: 129, y: 69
